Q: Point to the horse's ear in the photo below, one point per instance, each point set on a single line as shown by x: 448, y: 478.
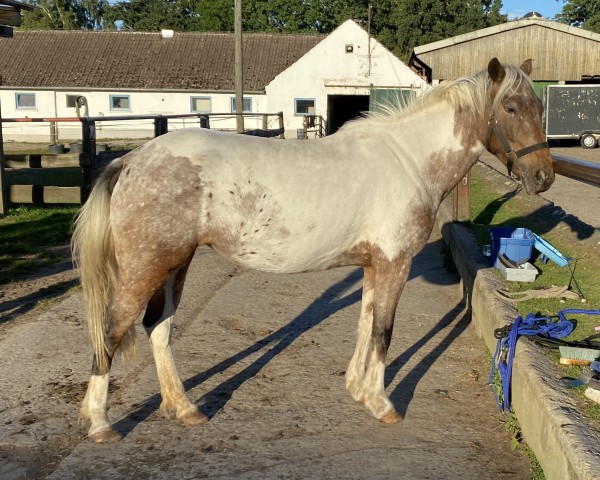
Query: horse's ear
x: 526, y: 67
x: 496, y: 71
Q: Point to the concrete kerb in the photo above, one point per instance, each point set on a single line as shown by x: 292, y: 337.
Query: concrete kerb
x: 566, y: 446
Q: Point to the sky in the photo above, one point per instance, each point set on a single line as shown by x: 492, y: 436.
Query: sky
x: 518, y: 8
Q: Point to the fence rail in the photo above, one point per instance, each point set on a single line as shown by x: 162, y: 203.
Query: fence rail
x: 24, y: 178
x: 587, y: 172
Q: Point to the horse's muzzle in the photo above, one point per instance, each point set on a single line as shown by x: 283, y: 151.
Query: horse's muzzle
x: 538, y: 180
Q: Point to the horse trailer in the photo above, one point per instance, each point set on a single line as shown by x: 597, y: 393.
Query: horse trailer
x: 572, y: 112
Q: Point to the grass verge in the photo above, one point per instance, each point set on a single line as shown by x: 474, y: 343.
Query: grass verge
x: 498, y: 203
x: 25, y: 235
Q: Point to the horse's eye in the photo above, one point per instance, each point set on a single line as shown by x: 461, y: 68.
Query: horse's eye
x: 510, y: 109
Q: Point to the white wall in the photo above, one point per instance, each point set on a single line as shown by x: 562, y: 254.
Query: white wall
x: 325, y: 70
x: 328, y: 70
x: 53, y: 104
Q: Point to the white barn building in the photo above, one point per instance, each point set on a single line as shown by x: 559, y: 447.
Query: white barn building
x: 42, y: 73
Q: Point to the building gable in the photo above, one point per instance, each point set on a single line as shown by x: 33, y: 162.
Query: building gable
x: 559, y: 52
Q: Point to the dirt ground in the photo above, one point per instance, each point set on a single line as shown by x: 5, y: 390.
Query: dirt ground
x: 263, y: 356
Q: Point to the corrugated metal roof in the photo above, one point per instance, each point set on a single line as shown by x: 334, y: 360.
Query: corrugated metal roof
x: 134, y: 60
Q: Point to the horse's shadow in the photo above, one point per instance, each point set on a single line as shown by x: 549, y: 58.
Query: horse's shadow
x: 332, y: 300
x: 403, y: 393
x: 335, y: 298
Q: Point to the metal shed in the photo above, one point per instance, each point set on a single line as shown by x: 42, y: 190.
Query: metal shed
x: 559, y: 52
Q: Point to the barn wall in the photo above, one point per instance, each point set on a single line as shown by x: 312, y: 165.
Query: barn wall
x: 328, y: 69
x: 52, y: 103
x: 557, y: 54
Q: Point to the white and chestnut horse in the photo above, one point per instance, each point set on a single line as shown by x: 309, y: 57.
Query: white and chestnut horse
x: 366, y: 196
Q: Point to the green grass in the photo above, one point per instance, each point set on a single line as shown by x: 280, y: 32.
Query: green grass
x: 490, y: 207
x: 25, y: 234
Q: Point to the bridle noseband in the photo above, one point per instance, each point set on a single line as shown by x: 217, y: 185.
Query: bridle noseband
x: 510, y: 153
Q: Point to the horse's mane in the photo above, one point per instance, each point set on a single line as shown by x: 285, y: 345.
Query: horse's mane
x: 466, y: 93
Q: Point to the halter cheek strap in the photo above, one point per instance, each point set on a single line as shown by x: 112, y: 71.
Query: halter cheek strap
x: 510, y: 153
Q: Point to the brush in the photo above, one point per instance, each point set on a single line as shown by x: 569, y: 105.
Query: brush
x: 577, y: 355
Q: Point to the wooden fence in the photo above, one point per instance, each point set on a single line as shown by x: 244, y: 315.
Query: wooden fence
x: 67, y: 177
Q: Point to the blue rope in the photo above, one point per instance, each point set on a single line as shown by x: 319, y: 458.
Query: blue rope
x: 507, y: 342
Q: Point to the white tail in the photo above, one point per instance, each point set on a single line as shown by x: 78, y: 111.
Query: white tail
x: 94, y: 254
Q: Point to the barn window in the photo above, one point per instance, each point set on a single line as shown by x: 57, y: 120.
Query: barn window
x: 120, y: 102
x: 247, y: 105
x: 304, y: 106
x: 201, y: 104
x: 25, y: 100
x: 72, y: 100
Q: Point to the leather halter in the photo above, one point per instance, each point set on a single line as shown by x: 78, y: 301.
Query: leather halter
x: 510, y: 153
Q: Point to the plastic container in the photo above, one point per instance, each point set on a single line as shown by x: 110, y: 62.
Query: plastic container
x: 515, y: 243
x: 526, y: 273
x: 549, y: 252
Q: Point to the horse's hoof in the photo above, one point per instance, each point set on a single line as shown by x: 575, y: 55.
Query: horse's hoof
x: 105, y: 436
x: 391, y: 417
x: 193, y: 418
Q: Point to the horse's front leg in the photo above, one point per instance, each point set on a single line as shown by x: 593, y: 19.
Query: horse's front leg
x: 365, y: 378
x: 355, y: 373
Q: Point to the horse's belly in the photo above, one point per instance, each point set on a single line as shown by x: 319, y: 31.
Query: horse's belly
x: 287, y: 256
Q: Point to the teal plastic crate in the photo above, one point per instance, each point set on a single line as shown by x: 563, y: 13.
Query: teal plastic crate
x: 515, y: 243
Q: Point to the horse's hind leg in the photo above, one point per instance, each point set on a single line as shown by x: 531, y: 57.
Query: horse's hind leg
x: 126, y: 307
x: 157, y: 322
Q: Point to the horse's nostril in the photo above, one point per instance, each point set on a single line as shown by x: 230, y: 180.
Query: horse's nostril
x: 541, y: 176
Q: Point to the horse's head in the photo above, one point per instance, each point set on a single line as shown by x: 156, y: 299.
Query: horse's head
x: 515, y: 134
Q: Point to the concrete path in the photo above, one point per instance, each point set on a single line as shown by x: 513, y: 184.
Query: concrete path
x: 264, y: 357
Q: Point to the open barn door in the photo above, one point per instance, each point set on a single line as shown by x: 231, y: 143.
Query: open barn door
x: 381, y: 98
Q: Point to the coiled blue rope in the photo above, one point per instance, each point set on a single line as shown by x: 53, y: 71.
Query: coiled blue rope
x: 507, y: 342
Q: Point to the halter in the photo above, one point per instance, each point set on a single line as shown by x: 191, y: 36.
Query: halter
x: 510, y: 153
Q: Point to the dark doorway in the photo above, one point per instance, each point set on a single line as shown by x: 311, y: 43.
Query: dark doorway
x: 341, y: 108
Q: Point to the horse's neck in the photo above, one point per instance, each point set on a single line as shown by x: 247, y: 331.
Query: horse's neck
x: 440, y: 145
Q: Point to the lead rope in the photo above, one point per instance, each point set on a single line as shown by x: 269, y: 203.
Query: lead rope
x: 541, y: 327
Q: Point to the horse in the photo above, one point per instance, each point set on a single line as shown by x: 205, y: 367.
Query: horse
x: 365, y: 196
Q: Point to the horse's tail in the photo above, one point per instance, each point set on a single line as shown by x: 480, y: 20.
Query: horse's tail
x: 94, y: 254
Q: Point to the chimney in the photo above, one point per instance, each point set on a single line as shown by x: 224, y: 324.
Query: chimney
x: 167, y: 33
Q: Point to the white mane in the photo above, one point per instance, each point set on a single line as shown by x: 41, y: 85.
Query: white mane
x: 466, y: 93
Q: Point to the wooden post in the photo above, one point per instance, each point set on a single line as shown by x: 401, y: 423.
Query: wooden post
x: 3, y: 186
x: 265, y: 122
x: 161, y: 126
x: 87, y: 159
x: 461, y: 200
x: 280, y: 117
x: 53, y: 133
x: 239, y: 69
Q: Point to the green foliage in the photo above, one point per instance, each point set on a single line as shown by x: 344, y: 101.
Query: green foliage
x: 581, y: 13
x: 153, y: 15
x: 399, y: 24
x: 418, y: 22
x: 65, y: 14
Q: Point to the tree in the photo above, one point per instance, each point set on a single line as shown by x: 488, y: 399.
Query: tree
x: 418, y: 22
x: 152, y: 15
x: 581, y: 13
x: 65, y: 14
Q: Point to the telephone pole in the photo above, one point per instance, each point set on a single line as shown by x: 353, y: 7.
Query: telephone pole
x: 239, y: 70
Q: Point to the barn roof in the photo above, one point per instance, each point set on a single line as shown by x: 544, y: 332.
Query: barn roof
x: 135, y: 60
x: 559, y: 51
